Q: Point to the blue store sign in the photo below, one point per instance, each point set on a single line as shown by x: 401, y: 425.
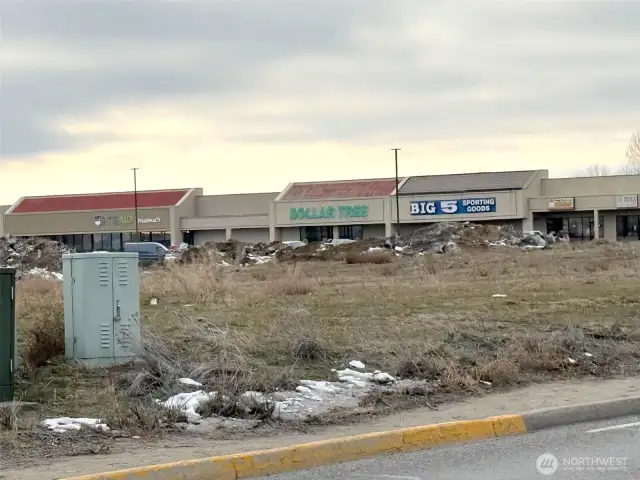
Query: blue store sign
x: 450, y: 207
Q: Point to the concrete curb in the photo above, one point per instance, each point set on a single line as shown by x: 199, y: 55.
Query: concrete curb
x: 316, y: 454
x: 584, y: 412
x: 309, y: 455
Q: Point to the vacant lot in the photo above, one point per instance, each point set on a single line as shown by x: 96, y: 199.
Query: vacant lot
x: 566, y: 312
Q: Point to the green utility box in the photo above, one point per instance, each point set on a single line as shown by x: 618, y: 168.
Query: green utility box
x: 7, y: 332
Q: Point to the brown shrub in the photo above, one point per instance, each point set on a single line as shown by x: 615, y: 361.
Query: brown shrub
x: 291, y: 282
x: 40, y: 318
x: 202, y: 283
x: 9, y: 415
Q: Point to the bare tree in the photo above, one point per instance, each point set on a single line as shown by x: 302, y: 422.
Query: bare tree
x: 595, y: 170
x: 632, y: 167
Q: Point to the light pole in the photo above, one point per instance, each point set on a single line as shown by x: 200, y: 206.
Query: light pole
x: 135, y: 200
x: 395, y: 151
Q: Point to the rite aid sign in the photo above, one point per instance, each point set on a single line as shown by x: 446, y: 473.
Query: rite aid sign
x: 101, y: 220
x: 451, y: 207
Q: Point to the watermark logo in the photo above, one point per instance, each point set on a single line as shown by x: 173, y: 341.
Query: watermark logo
x: 547, y: 464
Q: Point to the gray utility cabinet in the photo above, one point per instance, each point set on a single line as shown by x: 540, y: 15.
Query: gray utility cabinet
x: 101, y: 308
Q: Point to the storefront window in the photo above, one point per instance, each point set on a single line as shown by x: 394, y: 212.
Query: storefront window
x: 106, y: 241
x: 601, y: 226
x: 163, y: 238
x: 315, y: 234
x: 188, y: 237
x: 627, y: 227
x: 77, y: 243
x: 127, y: 237
x: 116, y: 242
x: 87, y: 241
x: 555, y: 225
x: 575, y: 228
x: 352, y: 232
x: 582, y: 228
x: 97, y: 241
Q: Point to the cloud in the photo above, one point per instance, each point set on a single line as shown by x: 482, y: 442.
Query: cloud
x: 289, y: 72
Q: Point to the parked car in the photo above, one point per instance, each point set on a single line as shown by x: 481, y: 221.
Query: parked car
x: 148, y: 252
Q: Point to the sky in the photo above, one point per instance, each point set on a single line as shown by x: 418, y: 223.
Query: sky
x: 238, y: 96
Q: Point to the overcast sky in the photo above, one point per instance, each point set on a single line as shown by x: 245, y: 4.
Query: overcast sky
x: 248, y: 95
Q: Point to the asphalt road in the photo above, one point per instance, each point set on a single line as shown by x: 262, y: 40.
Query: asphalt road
x: 578, y: 453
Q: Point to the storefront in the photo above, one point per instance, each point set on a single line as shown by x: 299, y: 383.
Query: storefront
x: 495, y: 198
x: 217, y: 218
x: 98, y: 222
x: 589, y: 208
x: 315, y: 212
x: 581, y: 208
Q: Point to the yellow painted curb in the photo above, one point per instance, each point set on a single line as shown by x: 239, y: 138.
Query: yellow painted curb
x: 309, y: 455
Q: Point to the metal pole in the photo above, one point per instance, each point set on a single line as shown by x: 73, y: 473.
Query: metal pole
x: 135, y: 201
x: 395, y: 150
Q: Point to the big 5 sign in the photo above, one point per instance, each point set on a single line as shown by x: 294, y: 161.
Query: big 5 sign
x: 452, y: 207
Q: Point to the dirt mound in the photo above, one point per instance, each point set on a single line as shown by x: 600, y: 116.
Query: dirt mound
x: 323, y: 252
x: 31, y: 253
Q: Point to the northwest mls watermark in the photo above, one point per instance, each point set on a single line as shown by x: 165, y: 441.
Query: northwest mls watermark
x: 548, y: 464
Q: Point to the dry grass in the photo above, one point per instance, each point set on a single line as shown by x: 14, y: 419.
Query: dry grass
x: 375, y: 257
x: 293, y: 281
x: 432, y: 317
x: 40, y: 313
x: 9, y: 417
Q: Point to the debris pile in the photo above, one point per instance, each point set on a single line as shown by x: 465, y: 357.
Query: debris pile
x: 229, y: 253
x: 32, y: 256
x: 443, y: 237
x: 439, y: 237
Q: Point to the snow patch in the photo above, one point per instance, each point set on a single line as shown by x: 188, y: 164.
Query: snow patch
x: 189, y: 382
x: 357, y: 364
x: 44, y: 273
x: 310, y: 398
x: 67, y: 424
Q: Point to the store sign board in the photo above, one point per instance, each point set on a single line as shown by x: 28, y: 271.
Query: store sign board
x: 627, y: 201
x: 562, y: 203
x: 342, y: 212
x: 464, y: 206
x: 149, y: 220
x: 102, y: 220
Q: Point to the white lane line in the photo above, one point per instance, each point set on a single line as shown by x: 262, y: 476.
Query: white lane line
x: 614, y: 427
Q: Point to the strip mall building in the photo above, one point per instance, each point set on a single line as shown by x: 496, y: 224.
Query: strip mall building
x: 585, y: 208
